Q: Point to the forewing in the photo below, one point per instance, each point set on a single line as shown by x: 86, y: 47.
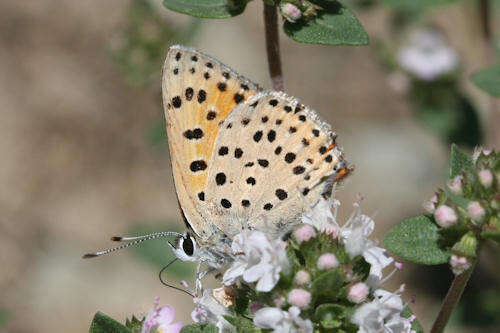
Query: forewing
x: 273, y: 159
x: 198, y: 94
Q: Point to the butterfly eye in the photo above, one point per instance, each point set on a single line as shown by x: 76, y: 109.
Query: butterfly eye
x: 188, y: 245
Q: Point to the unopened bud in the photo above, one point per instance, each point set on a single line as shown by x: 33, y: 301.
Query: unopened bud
x: 475, y: 211
x: 290, y: 12
x: 456, y: 185
x: 459, y: 264
x: 430, y: 205
x: 485, y: 178
x: 445, y: 216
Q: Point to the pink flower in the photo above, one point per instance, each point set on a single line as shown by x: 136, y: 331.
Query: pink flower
x: 304, y: 233
x: 357, y: 293
x: 332, y: 230
x: 476, y: 211
x: 160, y: 319
x: 485, y: 178
x: 445, y: 216
x: 456, y: 185
x: 299, y: 298
x: 327, y: 261
x: 302, y: 277
x: 398, y: 265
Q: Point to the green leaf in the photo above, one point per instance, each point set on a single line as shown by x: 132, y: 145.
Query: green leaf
x: 488, y: 80
x: 215, y: 9
x: 459, y: 162
x: 328, y: 284
x: 199, y: 328
x: 334, y: 25
x: 415, y: 325
x: 242, y: 324
x: 104, y: 324
x: 416, y: 239
x: 330, y: 315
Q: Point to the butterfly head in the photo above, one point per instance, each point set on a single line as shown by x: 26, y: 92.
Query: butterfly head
x: 185, y: 247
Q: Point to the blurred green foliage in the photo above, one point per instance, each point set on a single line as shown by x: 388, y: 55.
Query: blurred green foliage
x: 444, y: 109
x: 140, y: 48
x: 157, y: 253
x: 3, y: 318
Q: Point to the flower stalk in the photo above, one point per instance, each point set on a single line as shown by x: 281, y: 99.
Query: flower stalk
x: 273, y: 46
x: 453, y: 296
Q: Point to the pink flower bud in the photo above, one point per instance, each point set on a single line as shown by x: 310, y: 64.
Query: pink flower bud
x: 459, y: 264
x: 430, y: 205
x: 302, y: 277
x: 299, y: 298
x: 327, y: 261
x: 304, y: 233
x: 485, y: 178
x: 398, y: 265
x: 290, y: 12
x: 456, y: 186
x: 332, y: 230
x: 476, y: 211
x: 445, y: 216
x: 357, y: 293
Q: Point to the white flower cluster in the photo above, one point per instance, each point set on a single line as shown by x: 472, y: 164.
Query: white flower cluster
x: 258, y: 259
x: 427, y: 56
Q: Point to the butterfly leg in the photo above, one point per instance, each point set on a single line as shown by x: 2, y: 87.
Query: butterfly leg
x: 200, y: 276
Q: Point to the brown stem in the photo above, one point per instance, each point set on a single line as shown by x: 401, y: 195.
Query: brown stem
x: 453, y: 296
x: 273, y: 46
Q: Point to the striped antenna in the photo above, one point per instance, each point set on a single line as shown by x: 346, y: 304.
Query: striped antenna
x: 134, y: 241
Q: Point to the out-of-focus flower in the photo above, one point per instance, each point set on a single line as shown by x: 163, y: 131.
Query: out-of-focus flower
x: 290, y: 12
x: 299, y: 298
x: 445, y: 216
x: 476, y: 211
x: 282, y: 321
x: 430, y: 205
x: 327, y: 261
x: 459, y: 264
x: 208, y: 310
x: 302, y: 277
x: 478, y: 151
x: 357, y: 293
x: 257, y: 259
x: 456, y: 185
x: 485, y: 177
x: 304, y: 233
x: 383, y: 314
x: 160, y: 320
x: 427, y: 56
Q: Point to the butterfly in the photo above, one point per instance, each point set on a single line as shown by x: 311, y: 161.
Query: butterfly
x: 242, y: 157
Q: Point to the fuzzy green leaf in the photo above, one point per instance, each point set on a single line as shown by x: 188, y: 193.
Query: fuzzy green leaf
x: 199, y: 328
x: 415, y: 325
x: 334, y: 25
x: 134, y: 324
x: 488, y: 80
x: 330, y: 315
x: 242, y: 324
x: 459, y: 161
x: 105, y: 324
x: 328, y: 284
x: 416, y: 239
x: 215, y: 9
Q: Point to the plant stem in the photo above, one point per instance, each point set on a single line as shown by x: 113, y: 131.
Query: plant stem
x: 453, y: 296
x: 273, y: 46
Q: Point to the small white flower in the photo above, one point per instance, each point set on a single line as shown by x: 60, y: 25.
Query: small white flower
x: 282, y: 321
x: 208, y: 310
x: 257, y: 259
x: 427, y: 56
x: 459, y: 264
x: 321, y: 216
x: 290, y: 12
x: 377, y: 259
x: 383, y: 314
x: 430, y: 205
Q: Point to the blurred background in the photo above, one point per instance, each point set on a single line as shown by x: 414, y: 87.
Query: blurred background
x: 84, y: 154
